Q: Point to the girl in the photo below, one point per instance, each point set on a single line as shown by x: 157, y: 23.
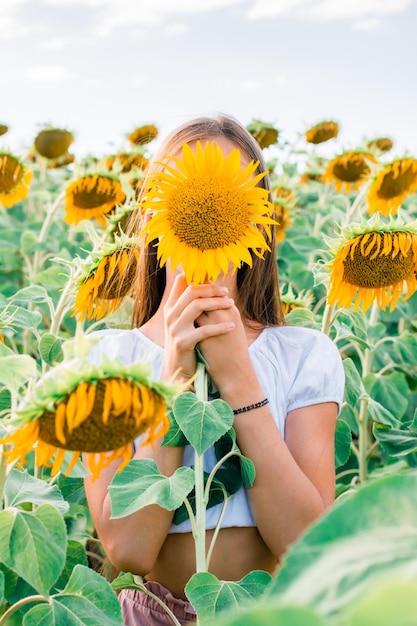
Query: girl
x: 285, y: 385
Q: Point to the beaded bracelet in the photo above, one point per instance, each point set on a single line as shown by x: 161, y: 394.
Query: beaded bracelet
x: 251, y: 407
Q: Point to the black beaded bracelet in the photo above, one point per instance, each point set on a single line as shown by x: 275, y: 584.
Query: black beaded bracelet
x: 251, y: 407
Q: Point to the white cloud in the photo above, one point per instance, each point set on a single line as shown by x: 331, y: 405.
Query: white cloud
x: 176, y: 29
x: 369, y: 24
x: 327, y: 9
x: 250, y: 85
x: 48, y: 73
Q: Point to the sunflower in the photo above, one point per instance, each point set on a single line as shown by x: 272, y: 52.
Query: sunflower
x: 206, y: 212
x: 322, y: 132
x: 3, y: 129
x: 107, y: 278
x: 291, y: 301
x: 92, y: 196
x: 374, y: 262
x: 62, y: 161
x: 380, y: 144
x: 143, y: 134
x: 53, y: 143
x: 391, y: 186
x: 84, y: 408
x: 349, y: 170
x: 126, y: 161
x: 264, y: 133
x: 15, y: 180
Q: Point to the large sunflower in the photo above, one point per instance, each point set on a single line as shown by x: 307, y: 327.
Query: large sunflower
x: 374, y: 262
x: 322, y: 132
x: 393, y: 183
x: 207, y: 211
x: 349, y: 170
x: 107, y: 278
x: 15, y: 180
x: 92, y: 196
x: 84, y: 408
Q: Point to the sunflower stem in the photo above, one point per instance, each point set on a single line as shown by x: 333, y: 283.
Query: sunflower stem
x: 363, y: 421
x: 327, y: 318
x: 44, y: 231
x: 201, y: 390
x: 15, y: 607
x: 356, y: 204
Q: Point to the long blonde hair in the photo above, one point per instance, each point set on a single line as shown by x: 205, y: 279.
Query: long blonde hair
x: 258, y: 287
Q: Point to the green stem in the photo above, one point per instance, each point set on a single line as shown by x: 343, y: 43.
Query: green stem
x: 15, y: 607
x: 44, y: 231
x: 363, y: 411
x: 327, y: 318
x: 201, y: 390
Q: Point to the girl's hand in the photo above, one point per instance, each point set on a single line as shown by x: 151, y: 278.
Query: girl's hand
x: 227, y: 355
x: 184, y: 306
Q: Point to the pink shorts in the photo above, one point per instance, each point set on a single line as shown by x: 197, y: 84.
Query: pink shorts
x: 139, y: 609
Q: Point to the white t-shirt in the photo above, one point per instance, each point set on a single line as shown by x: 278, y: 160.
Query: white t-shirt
x: 296, y: 367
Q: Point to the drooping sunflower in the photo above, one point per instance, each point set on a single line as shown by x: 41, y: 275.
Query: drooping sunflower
x: 265, y: 134
x: 15, y: 180
x: 85, y: 408
x: 108, y: 276
x: 62, y: 161
x: 206, y: 212
x: 52, y: 143
x: 92, y: 196
x: 143, y: 134
x: 374, y: 261
x: 349, y: 170
x: 380, y: 145
x: 323, y: 131
x: 3, y: 129
x: 391, y: 185
x: 127, y: 161
x: 291, y: 300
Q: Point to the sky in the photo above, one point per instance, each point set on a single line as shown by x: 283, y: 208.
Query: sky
x: 100, y: 68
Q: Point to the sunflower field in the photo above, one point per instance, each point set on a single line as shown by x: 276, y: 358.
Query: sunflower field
x: 347, y: 259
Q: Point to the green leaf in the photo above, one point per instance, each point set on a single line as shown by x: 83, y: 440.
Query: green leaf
x: 87, y: 600
x: 28, y: 241
x: 175, y: 436
x: 386, y: 603
x: 266, y: 614
x: 33, y: 294
x: 391, y: 391
x: 127, y: 581
x: 365, y: 536
x: 33, y: 544
x: 211, y: 596
x: 21, y: 488
x: 50, y: 349
x: 76, y: 555
x: 343, y: 441
x: 354, y: 388
x: 141, y: 484
x: 17, y: 369
x: 396, y: 442
x: 203, y: 423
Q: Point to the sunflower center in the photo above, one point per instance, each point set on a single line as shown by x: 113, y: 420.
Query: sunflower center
x: 371, y: 268
x: 11, y: 172
x: 396, y: 182
x: 93, y: 194
x: 351, y: 169
x: 207, y: 213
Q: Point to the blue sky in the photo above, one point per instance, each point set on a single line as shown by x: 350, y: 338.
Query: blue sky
x: 102, y: 67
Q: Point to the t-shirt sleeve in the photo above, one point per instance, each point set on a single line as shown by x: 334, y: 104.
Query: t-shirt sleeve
x: 320, y: 375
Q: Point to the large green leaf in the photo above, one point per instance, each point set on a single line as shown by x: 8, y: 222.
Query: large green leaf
x: 391, y: 391
x: 266, y: 614
x: 50, y: 349
x: 211, y: 596
x: 366, y: 536
x: 87, y: 600
x: 21, y: 488
x: 141, y: 484
x: 33, y: 544
x: 395, y: 441
x: 203, y: 423
x: 386, y: 603
x: 354, y: 388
